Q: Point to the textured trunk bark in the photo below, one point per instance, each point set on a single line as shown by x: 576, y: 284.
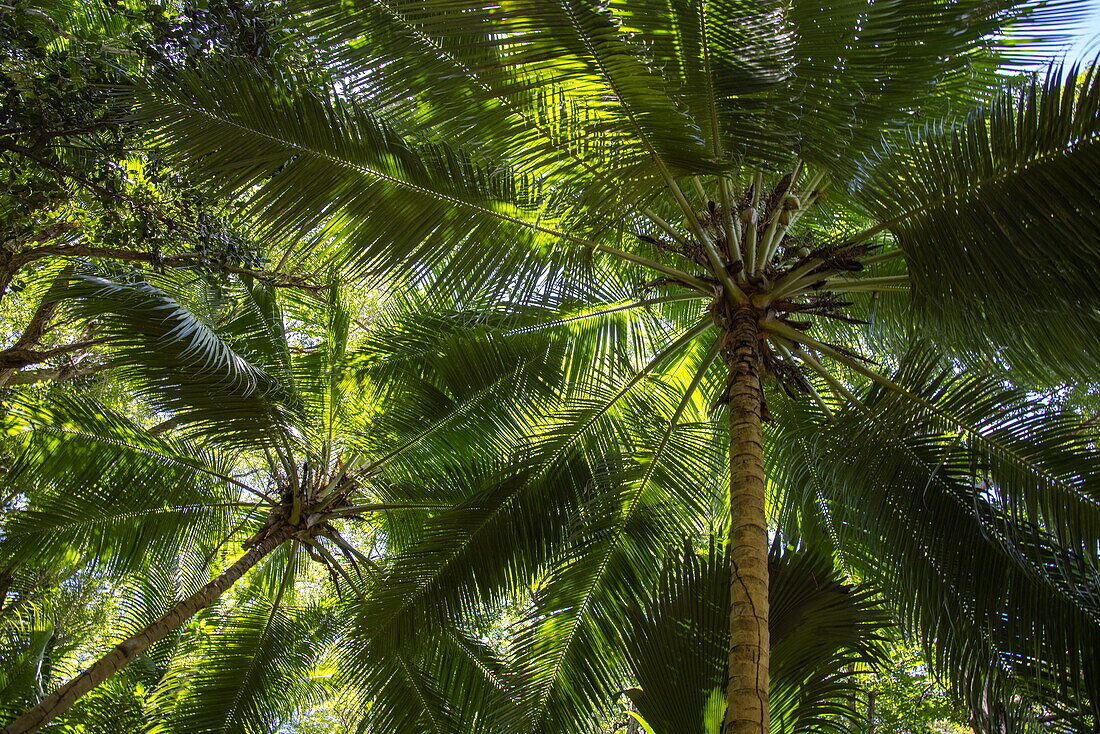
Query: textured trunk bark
x: 747, y: 689
x: 125, y: 652
x: 32, y: 334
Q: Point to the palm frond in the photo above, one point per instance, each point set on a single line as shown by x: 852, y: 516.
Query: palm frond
x: 351, y: 164
x: 253, y: 669
x: 94, y: 484
x: 676, y: 643
x: 201, y: 375
x: 958, y: 527
x: 996, y: 216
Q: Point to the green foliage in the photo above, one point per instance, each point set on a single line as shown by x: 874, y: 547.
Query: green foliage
x: 907, y: 700
x: 454, y: 259
x: 1002, y: 186
x: 76, y: 163
x: 821, y: 629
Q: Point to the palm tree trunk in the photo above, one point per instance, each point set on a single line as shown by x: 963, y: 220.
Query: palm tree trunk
x: 747, y: 688
x: 125, y: 652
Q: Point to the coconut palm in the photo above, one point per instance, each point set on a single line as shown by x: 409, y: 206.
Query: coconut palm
x: 275, y: 417
x: 673, y: 644
x: 820, y: 628
x: 772, y: 199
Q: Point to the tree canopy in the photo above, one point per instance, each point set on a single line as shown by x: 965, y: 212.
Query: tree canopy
x: 548, y: 366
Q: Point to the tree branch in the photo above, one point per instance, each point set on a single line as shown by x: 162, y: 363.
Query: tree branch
x: 178, y: 260
x: 57, y: 374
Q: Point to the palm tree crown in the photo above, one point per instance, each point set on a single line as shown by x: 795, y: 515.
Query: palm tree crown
x: 794, y: 269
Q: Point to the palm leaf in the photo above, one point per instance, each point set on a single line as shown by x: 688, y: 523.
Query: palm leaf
x: 820, y: 627
x: 96, y: 485
x: 958, y: 527
x: 977, y: 208
x: 202, y: 376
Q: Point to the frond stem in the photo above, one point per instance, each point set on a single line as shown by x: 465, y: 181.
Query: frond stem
x: 813, y: 391
x: 733, y: 291
x: 357, y: 509
x: 453, y: 200
x: 837, y: 386
x: 664, y: 226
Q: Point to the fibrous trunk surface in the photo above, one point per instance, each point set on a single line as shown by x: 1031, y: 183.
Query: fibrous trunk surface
x: 747, y: 688
x: 125, y: 652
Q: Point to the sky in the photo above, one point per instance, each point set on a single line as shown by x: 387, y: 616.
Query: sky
x: 1087, y: 44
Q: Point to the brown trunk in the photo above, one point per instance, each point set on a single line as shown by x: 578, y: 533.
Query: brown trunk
x: 36, y: 329
x: 125, y: 652
x: 747, y: 689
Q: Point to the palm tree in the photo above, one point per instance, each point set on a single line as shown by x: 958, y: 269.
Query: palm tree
x: 831, y: 179
x: 673, y: 643
x: 275, y: 417
x: 820, y: 629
